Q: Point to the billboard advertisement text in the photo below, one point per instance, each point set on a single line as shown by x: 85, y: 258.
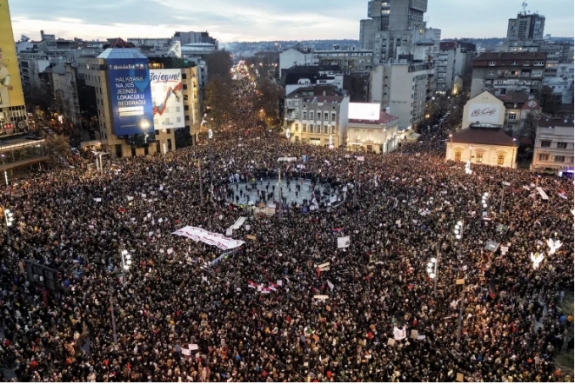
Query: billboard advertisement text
x: 130, y: 96
x: 168, y: 101
x: 10, y: 85
x: 484, y: 113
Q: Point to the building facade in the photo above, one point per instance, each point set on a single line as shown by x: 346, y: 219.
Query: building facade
x: 502, y: 72
x: 378, y: 136
x: 13, y: 117
x: 561, y: 82
x: 65, y: 83
x: 482, y: 144
x: 526, y: 27
x: 554, y: 145
x: 403, y: 88
x: 452, y: 59
x: 317, y: 115
x: 96, y: 73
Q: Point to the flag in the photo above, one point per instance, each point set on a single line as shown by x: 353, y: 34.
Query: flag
x: 330, y: 285
x: 273, y: 286
x: 318, y: 270
x: 265, y: 290
x: 562, y: 194
x: 338, y: 230
x: 260, y: 287
x: 251, y: 284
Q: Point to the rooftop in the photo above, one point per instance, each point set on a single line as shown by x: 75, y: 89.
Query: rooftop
x: 511, y: 56
x: 554, y: 122
x: 121, y: 53
x: 514, y: 97
x: 384, y: 118
x: 489, y: 134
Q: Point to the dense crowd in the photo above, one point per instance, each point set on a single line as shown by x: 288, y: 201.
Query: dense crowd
x: 178, y: 320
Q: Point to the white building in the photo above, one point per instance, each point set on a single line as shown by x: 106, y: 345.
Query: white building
x: 297, y: 57
x: 554, y: 145
x: 317, y: 115
x: 33, y: 68
x: 482, y: 144
x: 379, y: 136
x: 404, y: 89
x: 451, y: 61
x: 561, y: 83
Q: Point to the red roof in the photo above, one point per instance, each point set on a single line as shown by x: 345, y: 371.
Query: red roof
x: 384, y: 118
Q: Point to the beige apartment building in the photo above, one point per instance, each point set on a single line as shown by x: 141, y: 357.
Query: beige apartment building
x: 93, y: 71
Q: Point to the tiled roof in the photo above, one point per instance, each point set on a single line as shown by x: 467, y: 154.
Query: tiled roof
x: 514, y: 97
x: 488, y: 136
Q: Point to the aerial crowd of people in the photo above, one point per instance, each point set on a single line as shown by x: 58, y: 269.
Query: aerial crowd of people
x: 267, y: 311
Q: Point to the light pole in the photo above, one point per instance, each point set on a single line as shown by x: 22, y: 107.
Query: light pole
x: 9, y: 217
x: 210, y: 136
x: 288, y: 134
x: 432, y: 273
x: 460, y: 317
x: 126, y: 264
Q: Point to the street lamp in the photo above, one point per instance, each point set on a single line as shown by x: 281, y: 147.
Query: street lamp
x: 8, y: 216
x: 432, y: 272
x: 458, y: 232
x: 126, y: 264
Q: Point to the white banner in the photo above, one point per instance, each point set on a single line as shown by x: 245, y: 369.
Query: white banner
x: 343, y: 242
x: 399, y: 334
x: 199, y: 234
x: 542, y: 193
x: 239, y: 222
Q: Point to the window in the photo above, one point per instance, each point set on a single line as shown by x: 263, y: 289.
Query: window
x: 304, y: 114
x: 538, y: 63
x: 296, y: 127
x: 325, y: 129
x: 500, y: 159
x: 545, y: 143
x: 543, y: 157
x: 562, y: 145
x: 311, y: 115
x: 304, y: 128
x: 326, y: 116
x: 559, y: 159
x: 457, y: 156
x: 333, y: 116
x: 491, y: 73
x: 512, y: 116
x: 492, y: 63
x: 479, y: 158
x: 526, y: 63
x: 514, y: 63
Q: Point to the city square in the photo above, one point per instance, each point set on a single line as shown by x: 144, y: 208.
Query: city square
x: 175, y: 216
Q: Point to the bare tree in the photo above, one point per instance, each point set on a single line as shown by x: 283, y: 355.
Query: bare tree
x: 58, y: 148
x: 219, y: 102
x: 529, y: 126
x: 269, y: 95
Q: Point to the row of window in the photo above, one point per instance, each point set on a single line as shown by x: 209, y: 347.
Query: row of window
x: 479, y: 158
x: 557, y: 159
x: 525, y: 63
x: 315, y: 128
x: 318, y: 115
x: 547, y: 144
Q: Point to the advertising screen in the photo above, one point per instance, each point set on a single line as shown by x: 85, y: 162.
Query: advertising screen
x: 484, y: 113
x: 364, y: 111
x: 168, y: 101
x: 130, y: 96
x: 10, y: 84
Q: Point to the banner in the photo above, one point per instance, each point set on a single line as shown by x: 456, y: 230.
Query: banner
x: 11, y: 94
x: 210, y: 238
x: 239, y: 222
x: 130, y: 96
x: 542, y: 193
x: 168, y: 100
x: 399, y: 334
x: 343, y: 242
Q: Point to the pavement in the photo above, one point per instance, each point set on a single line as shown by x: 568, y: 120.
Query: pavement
x: 289, y: 192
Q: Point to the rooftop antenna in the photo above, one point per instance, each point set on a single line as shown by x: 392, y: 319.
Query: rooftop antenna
x: 524, y: 6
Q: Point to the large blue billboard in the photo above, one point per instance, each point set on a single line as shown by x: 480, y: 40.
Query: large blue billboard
x: 130, y: 96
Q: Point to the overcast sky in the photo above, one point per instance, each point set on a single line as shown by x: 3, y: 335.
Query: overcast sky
x: 257, y: 20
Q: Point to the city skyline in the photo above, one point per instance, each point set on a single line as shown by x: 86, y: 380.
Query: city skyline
x: 258, y: 20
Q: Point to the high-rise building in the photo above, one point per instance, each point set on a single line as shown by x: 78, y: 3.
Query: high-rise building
x: 391, y: 15
x: 13, y: 116
x: 526, y: 27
